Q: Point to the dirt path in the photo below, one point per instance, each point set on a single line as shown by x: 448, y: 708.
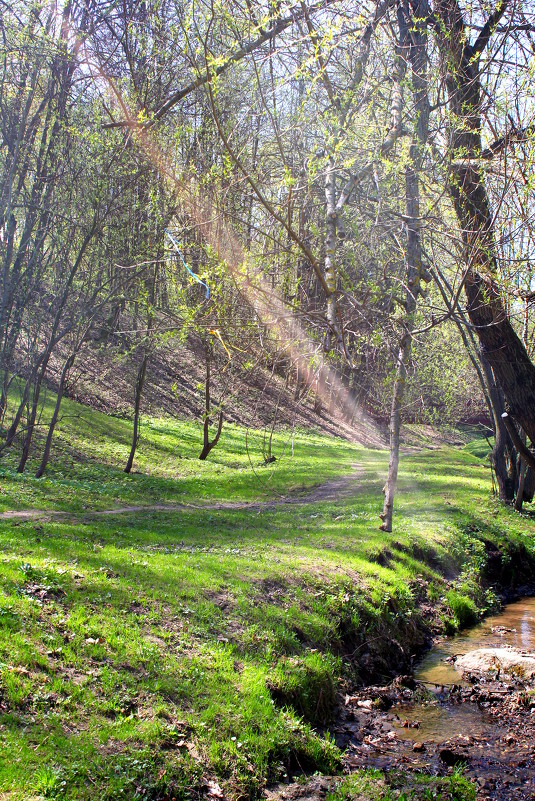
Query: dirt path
x: 336, y: 489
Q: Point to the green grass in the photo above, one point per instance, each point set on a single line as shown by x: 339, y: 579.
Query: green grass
x: 147, y: 654
x: 90, y: 450
x: 372, y: 785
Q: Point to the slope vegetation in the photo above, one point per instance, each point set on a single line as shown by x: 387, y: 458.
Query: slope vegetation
x: 195, y: 646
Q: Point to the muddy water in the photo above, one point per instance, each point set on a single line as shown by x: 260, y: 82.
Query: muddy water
x: 487, y: 725
x: 438, y: 719
x: 514, y: 626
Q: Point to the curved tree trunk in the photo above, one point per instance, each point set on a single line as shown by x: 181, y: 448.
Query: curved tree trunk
x: 208, y: 444
x: 503, y: 456
x: 140, y: 381
x: 52, y: 426
x: 512, y: 368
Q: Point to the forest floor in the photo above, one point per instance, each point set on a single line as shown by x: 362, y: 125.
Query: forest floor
x: 191, y: 630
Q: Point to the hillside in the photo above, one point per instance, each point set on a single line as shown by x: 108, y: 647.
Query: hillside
x: 174, y: 386
x: 187, y: 631
x: 267, y: 400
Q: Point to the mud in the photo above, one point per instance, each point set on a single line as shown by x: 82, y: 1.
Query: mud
x: 379, y: 727
x: 497, y: 748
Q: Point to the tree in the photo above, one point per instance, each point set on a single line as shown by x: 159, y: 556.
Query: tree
x: 412, y: 53
x: 464, y: 71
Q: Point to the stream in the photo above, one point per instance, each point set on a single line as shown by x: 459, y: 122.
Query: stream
x: 440, y: 719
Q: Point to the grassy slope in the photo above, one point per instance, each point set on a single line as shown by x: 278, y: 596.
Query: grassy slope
x: 91, y: 449
x: 137, y: 652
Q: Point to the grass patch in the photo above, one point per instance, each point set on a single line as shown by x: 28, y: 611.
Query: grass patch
x: 307, y: 685
x: 463, y: 609
x: 479, y: 447
x: 149, y: 654
x: 373, y: 785
x: 90, y: 450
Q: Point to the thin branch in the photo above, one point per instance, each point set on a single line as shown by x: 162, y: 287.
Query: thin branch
x: 275, y: 27
x: 489, y: 28
x: 522, y: 449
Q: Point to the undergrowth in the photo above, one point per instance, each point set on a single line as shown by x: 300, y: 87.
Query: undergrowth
x: 373, y: 785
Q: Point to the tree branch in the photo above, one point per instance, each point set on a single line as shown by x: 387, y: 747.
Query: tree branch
x: 515, y: 135
x: 261, y: 197
x: 488, y: 28
x: 276, y: 26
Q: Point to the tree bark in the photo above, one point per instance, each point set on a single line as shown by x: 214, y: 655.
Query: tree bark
x: 13, y: 428
x: 525, y: 454
x: 54, y: 338
x: 51, y: 428
x: 500, y: 344
x: 207, y: 443
x: 333, y: 325
x: 413, y: 49
x: 140, y: 381
x: 503, y: 456
x: 395, y: 426
x: 520, y: 489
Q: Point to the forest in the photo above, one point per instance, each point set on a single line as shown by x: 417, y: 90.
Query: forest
x: 267, y: 396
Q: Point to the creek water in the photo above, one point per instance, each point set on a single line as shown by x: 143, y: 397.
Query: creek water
x: 486, y: 725
x: 438, y: 719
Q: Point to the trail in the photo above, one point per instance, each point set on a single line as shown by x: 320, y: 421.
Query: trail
x: 335, y: 489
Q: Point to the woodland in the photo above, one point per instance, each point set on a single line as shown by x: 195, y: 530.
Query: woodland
x: 267, y: 377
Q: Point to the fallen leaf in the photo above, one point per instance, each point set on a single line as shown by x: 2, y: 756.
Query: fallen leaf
x: 214, y: 790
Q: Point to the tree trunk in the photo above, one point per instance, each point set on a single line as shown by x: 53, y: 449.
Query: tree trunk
x: 207, y: 443
x: 503, y: 456
x: 395, y: 426
x: 333, y: 327
x: 32, y: 417
x: 511, y: 366
x: 529, y: 485
x: 140, y: 381
x: 13, y: 428
x: 413, y: 50
x: 522, y: 470
x: 54, y: 339
x: 46, y: 453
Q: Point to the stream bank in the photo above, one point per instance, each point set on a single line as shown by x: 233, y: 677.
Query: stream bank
x: 438, y: 721
x: 428, y: 725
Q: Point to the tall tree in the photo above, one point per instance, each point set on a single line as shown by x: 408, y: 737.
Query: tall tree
x: 463, y: 68
x: 412, y: 51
